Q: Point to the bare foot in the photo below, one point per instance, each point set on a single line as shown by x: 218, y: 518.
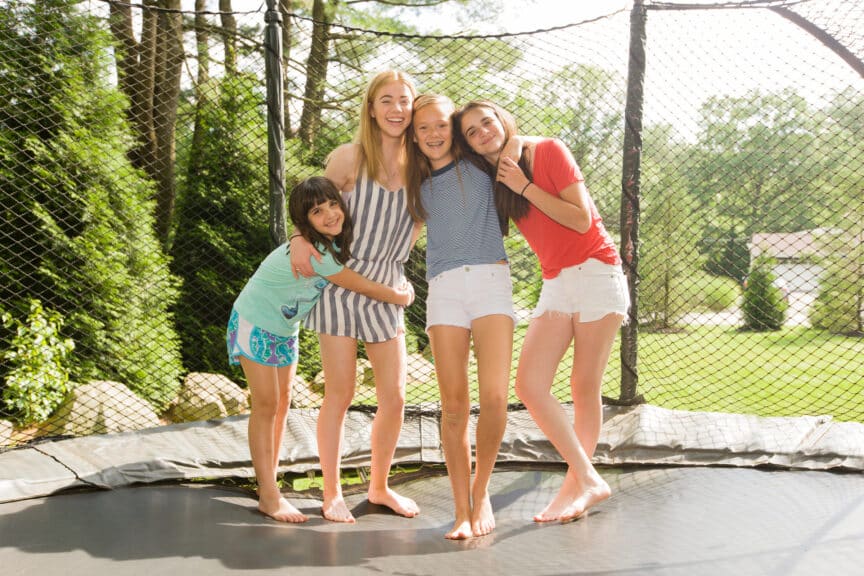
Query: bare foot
x: 568, y: 492
x: 461, y: 531
x: 281, y: 510
x: 399, y: 504
x: 337, y: 511
x: 482, y: 517
x: 592, y: 496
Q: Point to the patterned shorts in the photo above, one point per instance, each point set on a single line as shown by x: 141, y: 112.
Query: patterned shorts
x: 259, y: 345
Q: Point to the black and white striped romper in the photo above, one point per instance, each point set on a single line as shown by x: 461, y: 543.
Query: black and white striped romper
x: 382, y: 237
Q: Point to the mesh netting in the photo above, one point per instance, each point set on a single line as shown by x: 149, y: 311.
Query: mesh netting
x: 136, y: 203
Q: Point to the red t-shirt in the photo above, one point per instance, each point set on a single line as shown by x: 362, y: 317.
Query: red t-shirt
x: 557, y: 246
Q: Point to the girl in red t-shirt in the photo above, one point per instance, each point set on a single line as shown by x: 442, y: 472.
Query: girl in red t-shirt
x: 584, y: 297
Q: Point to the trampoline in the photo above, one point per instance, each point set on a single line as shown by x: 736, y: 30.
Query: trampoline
x: 661, y: 519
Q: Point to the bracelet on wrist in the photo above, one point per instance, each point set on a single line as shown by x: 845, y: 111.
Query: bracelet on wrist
x: 525, y: 188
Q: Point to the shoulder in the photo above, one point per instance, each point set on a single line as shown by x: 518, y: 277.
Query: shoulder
x: 472, y: 170
x: 328, y: 264
x: 552, y: 146
x: 553, y: 150
x: 341, y: 165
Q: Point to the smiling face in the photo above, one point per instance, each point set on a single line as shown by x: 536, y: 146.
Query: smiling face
x: 327, y: 218
x: 483, y: 132
x: 433, y: 134
x: 390, y: 108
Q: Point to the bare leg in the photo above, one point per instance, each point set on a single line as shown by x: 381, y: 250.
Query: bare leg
x: 339, y: 360
x: 270, y: 388
x: 592, y: 345
x: 389, y: 365
x: 450, y: 346
x: 493, y: 346
x: 546, y: 340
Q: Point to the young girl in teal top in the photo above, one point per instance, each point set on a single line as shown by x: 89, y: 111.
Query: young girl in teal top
x: 263, y: 330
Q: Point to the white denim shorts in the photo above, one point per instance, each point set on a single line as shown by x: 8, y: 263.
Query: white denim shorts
x: 461, y: 295
x: 592, y: 289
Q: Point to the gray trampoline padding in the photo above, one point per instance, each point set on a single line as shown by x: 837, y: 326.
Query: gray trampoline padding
x: 669, y: 520
x: 630, y: 435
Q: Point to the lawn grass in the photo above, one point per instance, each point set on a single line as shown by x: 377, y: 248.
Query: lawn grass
x: 795, y: 371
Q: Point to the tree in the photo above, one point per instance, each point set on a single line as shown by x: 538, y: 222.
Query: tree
x: 78, y: 230
x: 668, y: 252
x: 764, y: 305
x: 839, y: 306
x: 756, y: 157
x: 149, y: 75
x: 222, y: 224
x: 316, y: 70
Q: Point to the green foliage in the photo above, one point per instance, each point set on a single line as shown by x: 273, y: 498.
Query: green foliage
x: 524, y: 270
x: 667, y: 251
x: 38, y: 379
x: 702, y: 291
x: 726, y: 252
x: 839, y: 306
x: 764, y: 306
x: 222, y: 225
x: 415, y: 315
x: 78, y: 225
x: 755, y: 154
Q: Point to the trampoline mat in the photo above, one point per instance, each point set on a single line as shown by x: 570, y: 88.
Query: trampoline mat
x: 705, y: 520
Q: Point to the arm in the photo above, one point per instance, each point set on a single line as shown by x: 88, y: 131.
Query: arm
x: 351, y: 280
x: 571, y: 209
x: 514, y: 146
x: 301, y: 253
x: 341, y: 167
x: 341, y: 170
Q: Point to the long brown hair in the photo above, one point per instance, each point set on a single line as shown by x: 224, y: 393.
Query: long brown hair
x: 306, y: 195
x: 509, y: 203
x: 418, y: 168
x: 368, y: 134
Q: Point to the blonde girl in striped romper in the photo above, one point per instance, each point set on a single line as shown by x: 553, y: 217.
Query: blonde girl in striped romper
x: 370, y: 172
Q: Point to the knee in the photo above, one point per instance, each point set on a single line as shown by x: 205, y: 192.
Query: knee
x: 454, y: 415
x: 265, y: 407
x: 494, y: 403
x: 393, y: 402
x: 338, y: 397
x: 526, y: 393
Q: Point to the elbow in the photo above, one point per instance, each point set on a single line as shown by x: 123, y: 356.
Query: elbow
x: 582, y: 225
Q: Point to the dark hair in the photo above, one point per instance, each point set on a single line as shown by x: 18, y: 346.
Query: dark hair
x: 509, y: 204
x: 306, y: 195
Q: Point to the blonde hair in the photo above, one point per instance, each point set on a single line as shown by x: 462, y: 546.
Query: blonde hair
x: 368, y: 134
x: 417, y: 167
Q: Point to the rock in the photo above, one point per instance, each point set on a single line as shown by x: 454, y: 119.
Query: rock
x: 101, y: 407
x: 208, y: 396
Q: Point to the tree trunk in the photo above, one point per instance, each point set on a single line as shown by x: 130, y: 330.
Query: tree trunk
x: 166, y: 93
x: 202, y: 42
x: 135, y: 76
x: 229, y: 36
x: 316, y: 71
x: 286, y: 7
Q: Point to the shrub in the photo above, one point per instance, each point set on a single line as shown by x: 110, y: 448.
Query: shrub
x: 764, y: 304
x: 38, y: 379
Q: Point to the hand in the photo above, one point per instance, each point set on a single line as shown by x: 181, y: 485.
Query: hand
x: 406, y: 291
x: 511, y: 175
x: 302, y: 252
x: 513, y: 148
